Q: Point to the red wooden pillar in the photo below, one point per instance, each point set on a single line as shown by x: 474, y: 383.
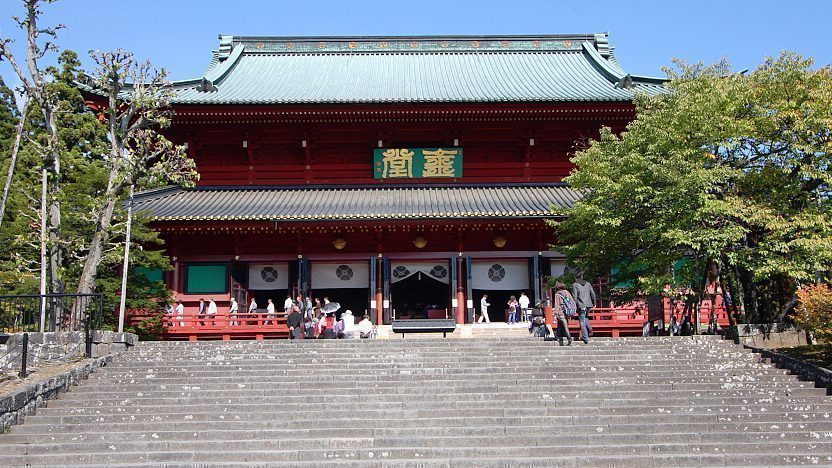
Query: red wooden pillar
x: 460, y: 294
x: 379, y: 296
x: 549, y: 310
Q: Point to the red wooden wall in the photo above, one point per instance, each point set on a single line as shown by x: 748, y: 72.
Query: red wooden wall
x: 502, y: 143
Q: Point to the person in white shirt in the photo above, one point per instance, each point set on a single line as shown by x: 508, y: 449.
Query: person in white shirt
x: 524, y: 305
x: 252, y: 309
x: 484, y: 309
x: 349, y: 324
x: 232, y: 312
x: 269, y: 312
x: 179, y: 313
x: 365, y: 327
x: 288, y: 304
x: 212, y: 309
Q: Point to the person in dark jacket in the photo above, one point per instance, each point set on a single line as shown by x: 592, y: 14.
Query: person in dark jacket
x: 562, y: 296
x: 295, y: 322
x: 584, y: 296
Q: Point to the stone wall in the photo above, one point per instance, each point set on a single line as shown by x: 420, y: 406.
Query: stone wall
x: 806, y: 370
x: 56, y: 347
x: 32, y: 394
x: 773, y: 335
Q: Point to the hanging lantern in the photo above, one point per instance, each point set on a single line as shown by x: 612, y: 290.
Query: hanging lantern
x: 339, y: 243
x: 500, y: 242
x: 420, y: 242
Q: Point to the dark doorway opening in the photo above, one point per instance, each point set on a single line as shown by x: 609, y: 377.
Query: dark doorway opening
x: 419, y: 297
x: 354, y: 299
x: 498, y: 311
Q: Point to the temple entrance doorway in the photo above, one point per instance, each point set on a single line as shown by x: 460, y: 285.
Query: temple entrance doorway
x: 267, y: 281
x: 346, y: 283
x: 500, y: 279
x: 420, y: 290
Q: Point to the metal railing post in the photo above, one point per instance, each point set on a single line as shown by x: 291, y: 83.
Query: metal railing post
x: 25, y: 354
x: 88, y: 336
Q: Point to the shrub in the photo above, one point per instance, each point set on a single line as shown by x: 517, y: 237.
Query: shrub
x: 814, y: 311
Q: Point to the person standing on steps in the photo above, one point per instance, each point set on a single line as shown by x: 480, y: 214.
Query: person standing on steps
x: 564, y: 307
x: 584, y: 296
x: 295, y: 322
x: 524, y: 305
x: 365, y: 327
x: 349, y: 324
x: 287, y: 304
x: 513, y: 307
x: 484, y: 309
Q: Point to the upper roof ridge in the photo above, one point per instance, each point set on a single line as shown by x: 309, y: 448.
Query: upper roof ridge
x: 412, y: 44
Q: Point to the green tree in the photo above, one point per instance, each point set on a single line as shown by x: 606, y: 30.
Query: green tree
x: 727, y: 175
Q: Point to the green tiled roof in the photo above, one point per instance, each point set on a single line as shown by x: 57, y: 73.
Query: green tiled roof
x: 300, y: 70
x: 334, y: 203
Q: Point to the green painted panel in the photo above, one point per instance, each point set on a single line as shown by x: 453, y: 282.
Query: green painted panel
x: 206, y: 279
x: 152, y: 274
x: 417, y: 163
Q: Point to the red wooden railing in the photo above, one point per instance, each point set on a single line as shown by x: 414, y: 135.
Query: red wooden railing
x: 226, y: 326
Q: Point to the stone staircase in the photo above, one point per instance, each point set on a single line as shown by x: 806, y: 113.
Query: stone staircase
x: 426, y: 402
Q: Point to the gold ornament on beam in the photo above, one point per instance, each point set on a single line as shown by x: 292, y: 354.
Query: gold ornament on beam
x: 420, y: 242
x: 500, y: 242
x: 339, y: 243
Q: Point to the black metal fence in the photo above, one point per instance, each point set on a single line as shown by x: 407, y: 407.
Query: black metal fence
x: 55, y: 312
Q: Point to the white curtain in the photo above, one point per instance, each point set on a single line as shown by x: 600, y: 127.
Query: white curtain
x: 340, y: 275
x: 435, y: 270
x: 500, y: 274
x: 263, y: 276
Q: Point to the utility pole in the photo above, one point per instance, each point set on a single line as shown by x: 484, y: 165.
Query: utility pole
x: 126, y: 262
x: 43, y: 251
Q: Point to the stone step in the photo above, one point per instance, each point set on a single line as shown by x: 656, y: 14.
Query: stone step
x: 323, y: 414
x: 665, y: 407
x: 622, y: 426
x: 569, y: 389
x: 173, y: 375
x: 384, y: 366
x: 489, y: 401
x: 428, y: 436
x: 627, y: 455
x: 544, y: 381
x: 408, y: 394
x: 649, y: 403
x: 494, y: 446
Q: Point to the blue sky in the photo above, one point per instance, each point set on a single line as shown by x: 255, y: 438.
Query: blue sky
x: 179, y: 34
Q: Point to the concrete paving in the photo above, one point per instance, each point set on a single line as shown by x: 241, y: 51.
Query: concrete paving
x: 489, y: 401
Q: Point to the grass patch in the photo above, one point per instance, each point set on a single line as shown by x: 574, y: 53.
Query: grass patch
x: 820, y: 354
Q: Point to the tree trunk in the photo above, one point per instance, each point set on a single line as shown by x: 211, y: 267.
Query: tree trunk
x: 55, y: 248
x: 86, y: 283
x: 697, y: 325
x: 13, y: 160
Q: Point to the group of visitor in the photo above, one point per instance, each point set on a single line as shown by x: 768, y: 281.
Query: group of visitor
x: 306, y: 318
x: 517, y: 308
x: 311, y: 319
x: 566, y: 305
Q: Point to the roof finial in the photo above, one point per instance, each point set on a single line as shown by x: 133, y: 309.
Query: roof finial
x: 226, y: 43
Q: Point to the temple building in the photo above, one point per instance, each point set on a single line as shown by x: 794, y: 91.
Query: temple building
x: 403, y: 177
